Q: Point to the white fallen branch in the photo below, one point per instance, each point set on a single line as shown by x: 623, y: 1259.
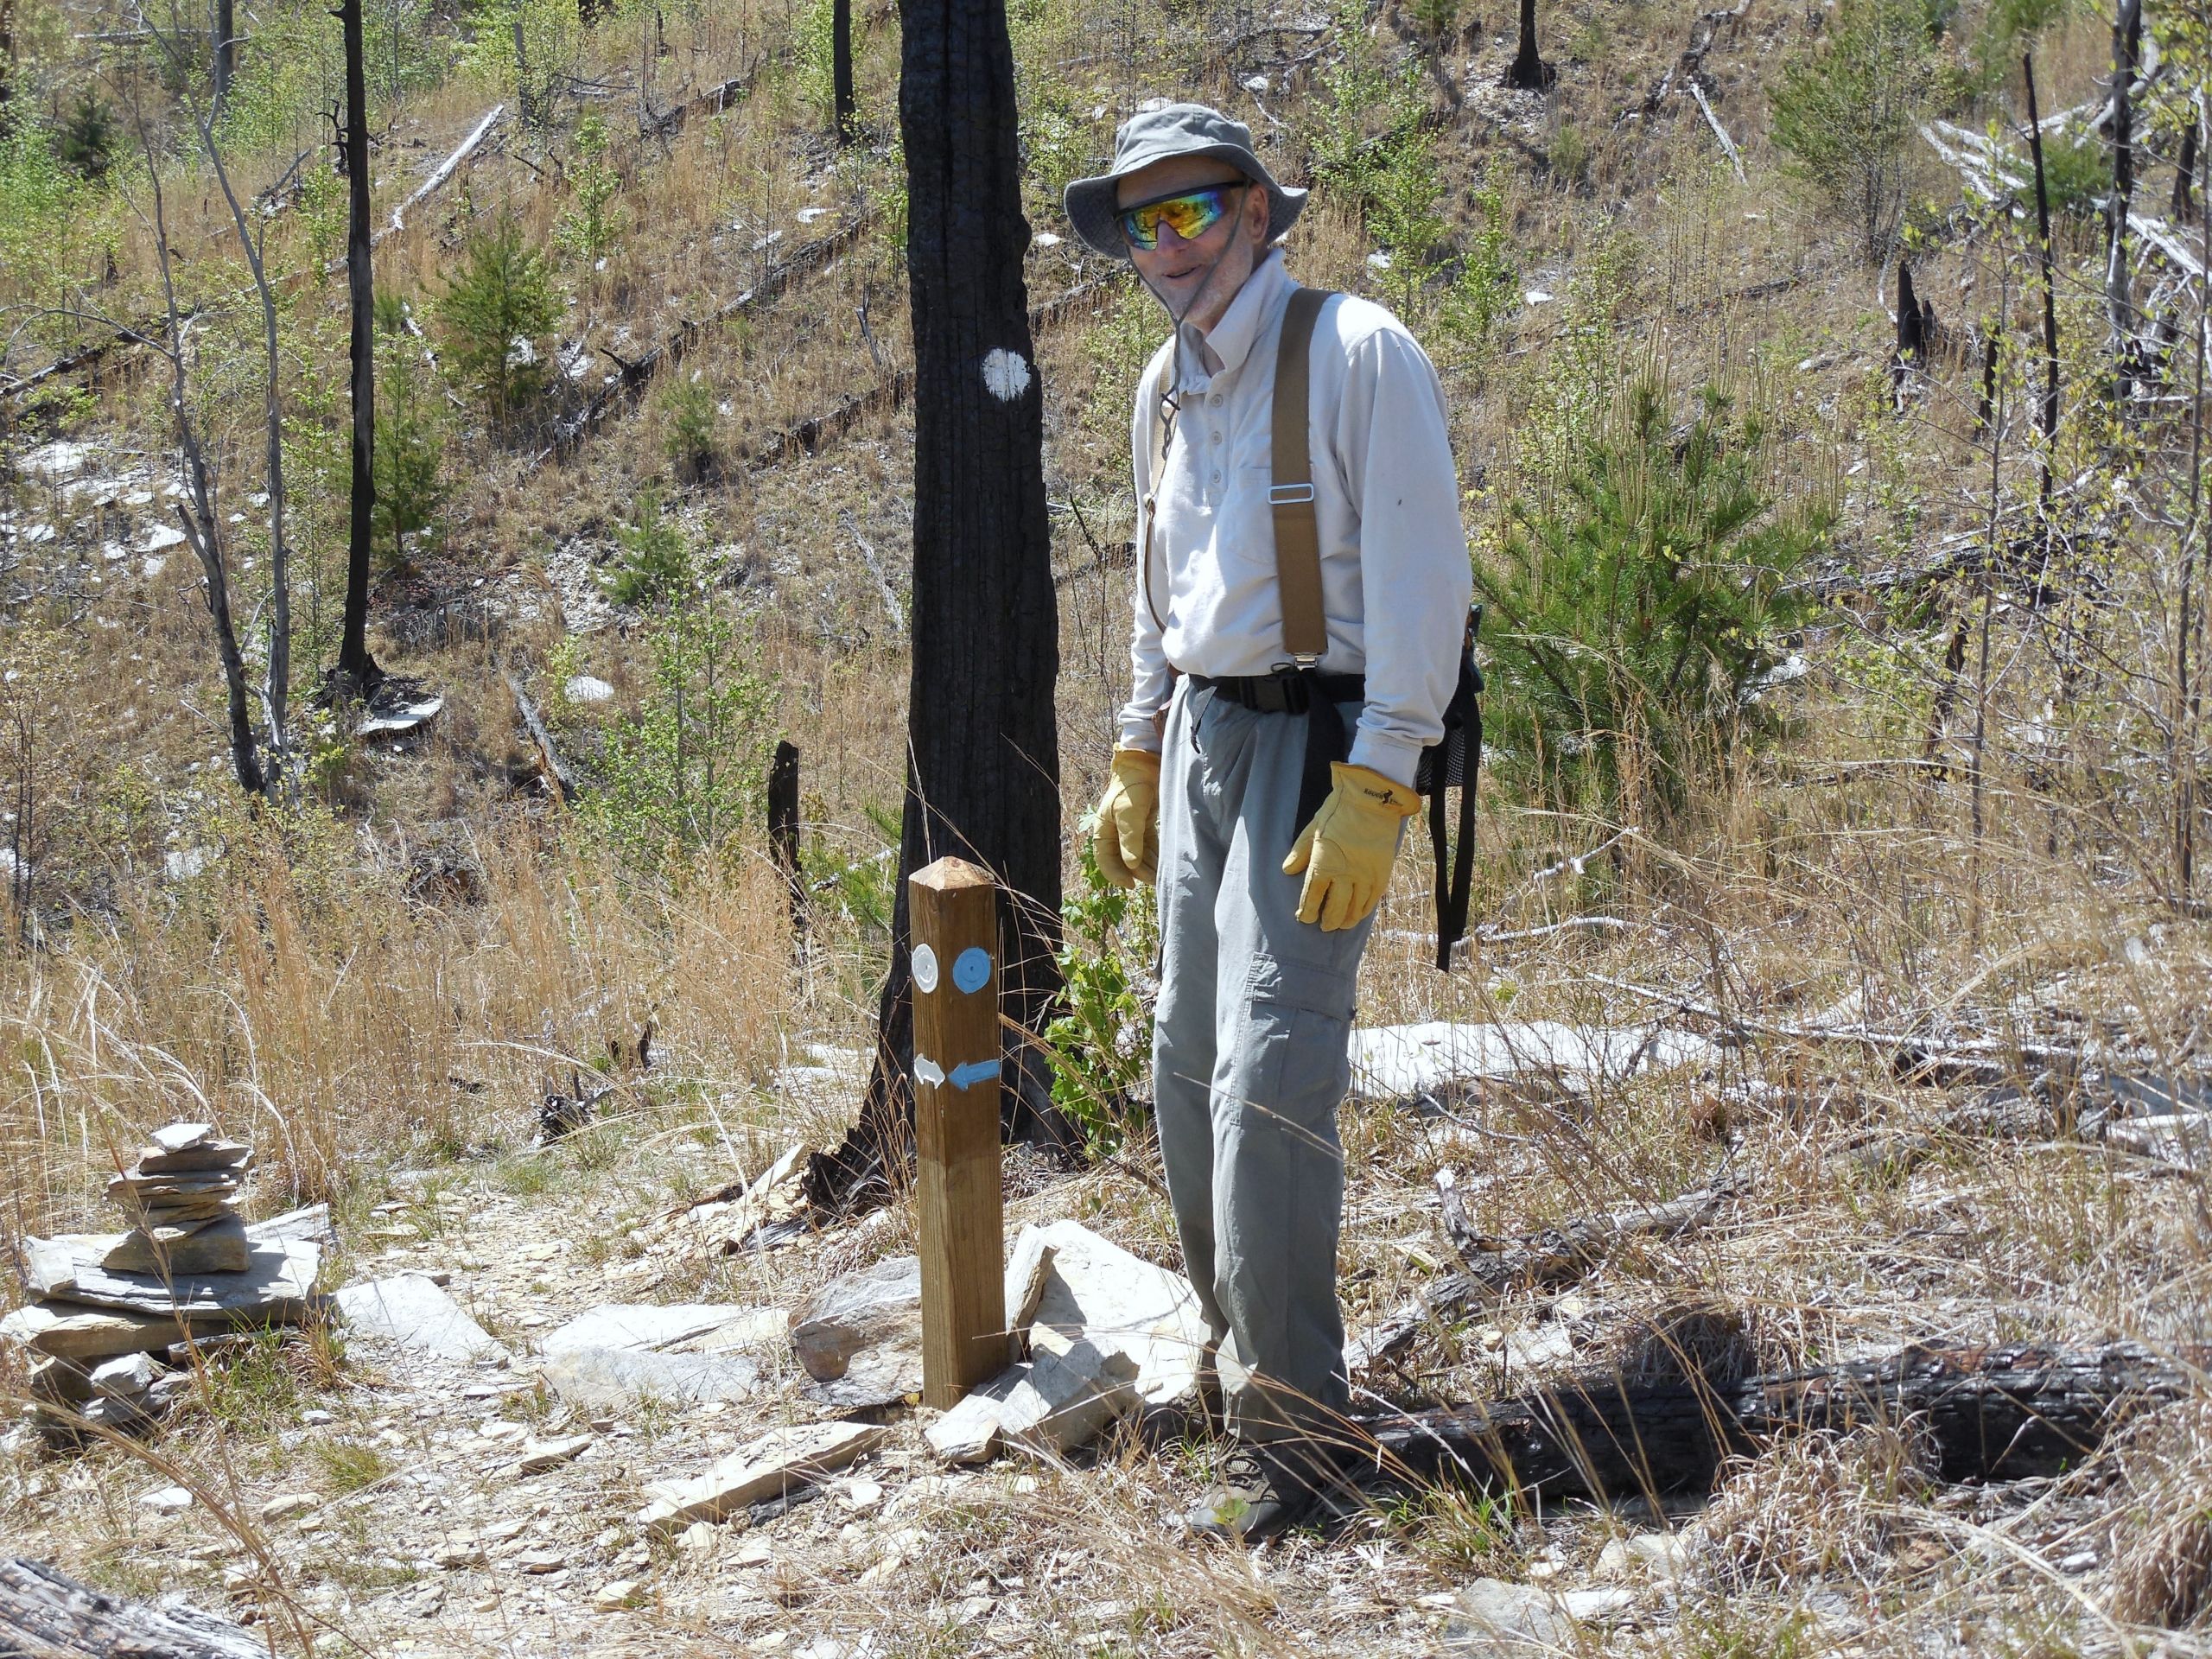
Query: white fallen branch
x: 446, y: 169
x: 1727, y: 144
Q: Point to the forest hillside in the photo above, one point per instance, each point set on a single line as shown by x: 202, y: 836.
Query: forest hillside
x: 1783, y: 1232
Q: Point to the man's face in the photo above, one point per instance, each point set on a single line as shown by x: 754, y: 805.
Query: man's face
x: 1185, y: 274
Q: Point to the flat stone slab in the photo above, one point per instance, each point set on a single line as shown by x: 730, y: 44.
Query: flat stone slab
x: 600, y: 1379
x: 1070, y: 1287
x: 768, y: 1467
x: 1398, y: 1062
x: 414, y: 1313
x: 71, y: 1332
x: 642, y: 1325
x: 1045, y: 1406
x: 278, y: 1280
x: 877, y: 1307
x: 221, y: 1246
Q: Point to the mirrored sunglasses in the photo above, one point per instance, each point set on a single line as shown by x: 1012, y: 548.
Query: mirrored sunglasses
x: 1190, y: 214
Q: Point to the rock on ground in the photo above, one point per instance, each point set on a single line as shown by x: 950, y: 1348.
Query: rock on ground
x: 414, y: 1313
x: 768, y: 1467
x: 606, y: 1379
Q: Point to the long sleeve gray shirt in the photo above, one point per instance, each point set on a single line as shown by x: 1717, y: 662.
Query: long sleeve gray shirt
x: 1396, y: 580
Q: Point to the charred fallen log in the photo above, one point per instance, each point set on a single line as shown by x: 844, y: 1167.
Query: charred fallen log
x: 45, y: 1614
x: 1990, y: 1414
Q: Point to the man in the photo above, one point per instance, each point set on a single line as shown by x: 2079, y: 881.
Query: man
x: 1265, y: 909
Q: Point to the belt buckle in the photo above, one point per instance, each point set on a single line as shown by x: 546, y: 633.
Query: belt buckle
x: 1293, y: 692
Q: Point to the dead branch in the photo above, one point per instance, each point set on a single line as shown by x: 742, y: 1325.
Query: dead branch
x: 1998, y: 1414
x: 549, y: 761
x: 445, y: 170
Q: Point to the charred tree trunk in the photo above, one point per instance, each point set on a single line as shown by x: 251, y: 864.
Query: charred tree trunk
x: 783, y: 829
x: 1528, y: 73
x: 983, y: 769
x: 2050, y: 304
x: 357, y: 669
x: 47, y: 1614
x: 223, y: 47
x: 2119, y: 308
x: 1991, y: 1414
x: 841, y: 69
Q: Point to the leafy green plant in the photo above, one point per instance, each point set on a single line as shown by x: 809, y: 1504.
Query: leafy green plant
x: 1102, y: 1044
x: 691, y: 428
x: 1403, y: 190
x: 493, y: 315
x: 409, y: 459
x: 1638, y: 609
x: 1365, y: 111
x: 532, y: 49
x: 657, y: 564
x: 86, y: 141
x: 1846, y: 111
x: 1487, y: 286
x: 590, y: 228
x: 679, y: 780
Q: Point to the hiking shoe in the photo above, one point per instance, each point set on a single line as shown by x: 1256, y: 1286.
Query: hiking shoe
x: 1256, y: 1496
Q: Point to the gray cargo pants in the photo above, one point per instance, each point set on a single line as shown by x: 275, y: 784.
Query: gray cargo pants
x: 1250, y: 1063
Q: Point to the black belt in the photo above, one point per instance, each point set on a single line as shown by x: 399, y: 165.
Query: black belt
x: 1293, y: 691
x: 1287, y: 691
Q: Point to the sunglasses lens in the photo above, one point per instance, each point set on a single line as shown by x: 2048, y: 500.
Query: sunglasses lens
x: 1190, y: 217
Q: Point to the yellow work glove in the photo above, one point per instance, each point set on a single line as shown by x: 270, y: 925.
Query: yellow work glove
x: 1347, y: 851
x: 1127, y: 842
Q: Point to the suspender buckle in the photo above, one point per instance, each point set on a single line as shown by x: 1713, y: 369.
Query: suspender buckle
x: 1281, y: 495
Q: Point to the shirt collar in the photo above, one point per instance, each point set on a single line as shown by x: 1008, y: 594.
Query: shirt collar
x: 1256, y: 302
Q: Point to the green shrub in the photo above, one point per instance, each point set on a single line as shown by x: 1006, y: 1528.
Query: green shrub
x: 691, y: 430
x: 494, y: 314
x: 1364, y: 111
x: 1102, y: 1044
x: 551, y: 37
x: 590, y: 228
x: 408, y: 466
x: 1845, y: 113
x: 678, y: 782
x: 1487, y: 287
x: 1639, y: 608
x: 87, y: 139
x: 657, y: 565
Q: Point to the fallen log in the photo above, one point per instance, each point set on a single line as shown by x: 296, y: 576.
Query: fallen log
x: 444, y: 171
x: 629, y: 384
x: 1988, y: 1413
x: 549, y: 761
x: 45, y: 1614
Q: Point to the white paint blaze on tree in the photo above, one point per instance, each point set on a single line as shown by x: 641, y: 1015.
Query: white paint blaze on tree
x: 1007, y: 375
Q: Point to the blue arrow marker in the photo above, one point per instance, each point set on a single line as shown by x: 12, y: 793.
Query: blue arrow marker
x: 974, y: 1072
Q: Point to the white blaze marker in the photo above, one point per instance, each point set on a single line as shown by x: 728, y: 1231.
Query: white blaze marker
x: 1006, y: 374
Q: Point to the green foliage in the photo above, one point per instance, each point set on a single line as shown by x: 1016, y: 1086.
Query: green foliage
x: 1056, y: 137
x: 690, y: 428
x: 1487, y: 287
x: 495, y: 314
x: 678, y: 781
x: 2008, y: 28
x: 1640, y: 608
x: 408, y: 466
x: 39, y: 193
x: 1366, y: 117
x: 1102, y: 1045
x: 1402, y: 194
x: 293, y: 70
x: 657, y: 564
x: 1435, y: 20
x: 589, y: 228
x: 87, y: 139
x: 2077, y: 173
x: 1845, y: 113
x: 814, y: 52
x: 529, y: 48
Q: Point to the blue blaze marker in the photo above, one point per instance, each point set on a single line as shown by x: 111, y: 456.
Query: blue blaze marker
x: 972, y: 970
x: 974, y: 1072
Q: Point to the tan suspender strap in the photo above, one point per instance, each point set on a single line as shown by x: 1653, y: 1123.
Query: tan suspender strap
x: 1298, y: 532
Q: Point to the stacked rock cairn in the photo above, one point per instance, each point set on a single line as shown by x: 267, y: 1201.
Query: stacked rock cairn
x: 189, y: 1272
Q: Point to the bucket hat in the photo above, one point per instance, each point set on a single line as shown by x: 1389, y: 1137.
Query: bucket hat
x: 1153, y: 136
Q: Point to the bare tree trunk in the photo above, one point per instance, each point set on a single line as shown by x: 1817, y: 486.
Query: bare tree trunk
x: 223, y: 49
x: 356, y: 668
x: 47, y: 1614
x: 196, y: 513
x: 841, y: 69
x: 983, y: 769
x: 1528, y: 73
x: 2120, y: 309
x: 2050, y: 305
x: 2192, y: 530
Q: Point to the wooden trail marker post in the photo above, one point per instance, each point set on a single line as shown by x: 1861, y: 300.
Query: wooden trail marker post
x: 953, y: 910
